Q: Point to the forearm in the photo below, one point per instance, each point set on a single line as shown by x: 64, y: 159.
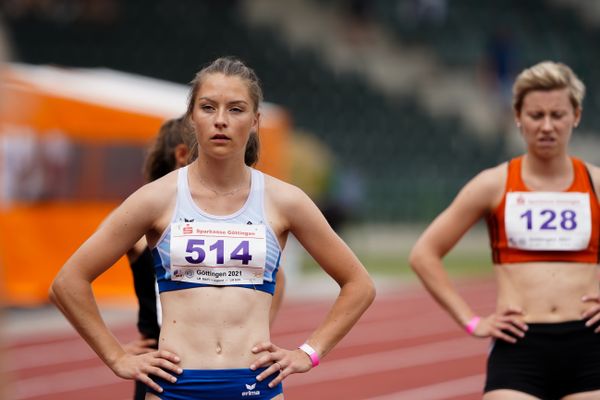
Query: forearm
x: 353, y: 300
x: 75, y: 299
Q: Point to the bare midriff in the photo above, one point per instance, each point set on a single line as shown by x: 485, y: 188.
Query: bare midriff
x: 214, y: 327
x: 546, y: 292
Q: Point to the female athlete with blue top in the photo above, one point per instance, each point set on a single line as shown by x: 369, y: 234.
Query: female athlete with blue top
x: 171, y: 150
x: 216, y: 229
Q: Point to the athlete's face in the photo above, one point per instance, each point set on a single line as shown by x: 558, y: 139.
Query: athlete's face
x: 547, y: 119
x: 223, y: 116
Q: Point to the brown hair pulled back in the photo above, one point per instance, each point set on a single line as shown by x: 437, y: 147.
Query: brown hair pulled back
x: 161, y: 157
x: 230, y: 66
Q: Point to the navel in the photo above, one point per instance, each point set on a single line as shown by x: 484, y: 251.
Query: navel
x: 219, y: 348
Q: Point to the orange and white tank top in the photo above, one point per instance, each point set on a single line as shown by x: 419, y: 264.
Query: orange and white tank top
x: 532, y: 226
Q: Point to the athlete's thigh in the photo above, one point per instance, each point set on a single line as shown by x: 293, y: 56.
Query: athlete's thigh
x: 278, y: 397
x: 583, y: 396
x: 504, y: 394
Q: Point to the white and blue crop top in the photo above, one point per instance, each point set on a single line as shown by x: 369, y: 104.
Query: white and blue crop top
x: 198, y: 249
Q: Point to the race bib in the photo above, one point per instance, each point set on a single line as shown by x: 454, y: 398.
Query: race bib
x: 218, y: 253
x: 548, y: 220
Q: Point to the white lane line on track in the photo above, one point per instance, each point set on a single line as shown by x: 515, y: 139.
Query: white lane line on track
x: 75, y: 350
x: 62, y: 382
x: 429, y: 322
x: 350, y: 367
x: 390, y: 360
x: 43, y: 355
x: 383, y: 331
x: 440, y: 391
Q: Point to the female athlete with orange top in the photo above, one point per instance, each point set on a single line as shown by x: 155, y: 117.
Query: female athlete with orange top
x: 543, y: 219
x: 216, y: 228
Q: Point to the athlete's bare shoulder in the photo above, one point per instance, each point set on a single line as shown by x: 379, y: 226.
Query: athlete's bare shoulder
x: 595, y: 175
x: 154, y: 200
x: 491, y: 181
x: 485, y: 190
x: 160, y: 191
x: 493, y: 178
x: 283, y: 194
x: 286, y: 204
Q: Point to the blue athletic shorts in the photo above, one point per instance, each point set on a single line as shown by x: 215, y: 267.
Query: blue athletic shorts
x: 553, y: 360
x: 214, y: 384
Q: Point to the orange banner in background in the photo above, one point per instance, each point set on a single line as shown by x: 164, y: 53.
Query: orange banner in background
x: 36, y: 241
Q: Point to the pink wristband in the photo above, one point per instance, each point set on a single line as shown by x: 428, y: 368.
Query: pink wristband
x: 472, y: 324
x: 314, y: 357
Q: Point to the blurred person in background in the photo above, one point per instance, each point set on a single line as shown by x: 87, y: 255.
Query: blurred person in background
x: 216, y: 229
x: 170, y: 151
x: 500, y: 66
x: 337, y: 190
x: 543, y: 218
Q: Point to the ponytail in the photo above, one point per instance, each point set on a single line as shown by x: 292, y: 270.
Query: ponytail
x: 252, y: 149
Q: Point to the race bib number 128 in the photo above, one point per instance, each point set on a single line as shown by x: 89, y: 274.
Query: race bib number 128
x: 218, y: 253
x: 548, y: 220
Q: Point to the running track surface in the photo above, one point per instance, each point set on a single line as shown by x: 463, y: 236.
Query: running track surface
x: 404, y: 348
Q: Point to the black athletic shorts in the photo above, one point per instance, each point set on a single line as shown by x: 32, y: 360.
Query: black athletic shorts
x: 550, y: 362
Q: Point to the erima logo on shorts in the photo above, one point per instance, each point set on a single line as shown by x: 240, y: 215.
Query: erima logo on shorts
x: 251, y: 391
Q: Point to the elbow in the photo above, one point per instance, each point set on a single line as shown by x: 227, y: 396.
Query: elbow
x: 51, y: 295
x: 361, y: 289
x: 415, y: 260
x: 55, y: 289
x: 370, y: 292
x: 425, y: 260
x: 53, y: 292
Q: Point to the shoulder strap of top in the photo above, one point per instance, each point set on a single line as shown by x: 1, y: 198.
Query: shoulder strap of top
x: 182, y: 182
x: 582, y: 180
x: 182, y: 191
x: 514, y: 181
x: 258, y: 190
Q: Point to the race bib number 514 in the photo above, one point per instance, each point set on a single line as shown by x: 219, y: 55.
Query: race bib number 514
x: 218, y: 253
x: 548, y: 220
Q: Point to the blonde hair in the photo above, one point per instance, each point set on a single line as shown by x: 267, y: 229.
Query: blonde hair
x: 548, y: 75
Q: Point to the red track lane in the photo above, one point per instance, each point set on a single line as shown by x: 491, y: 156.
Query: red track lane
x: 404, y: 348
